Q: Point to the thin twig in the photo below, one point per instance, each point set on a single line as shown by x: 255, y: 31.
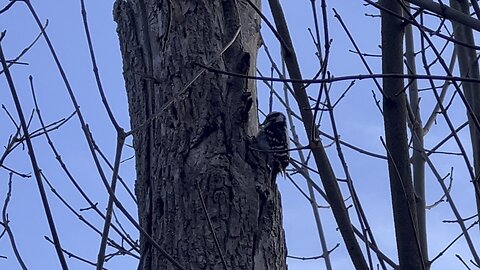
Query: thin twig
x: 463, y: 262
x: 7, y: 7
x: 345, y: 78
x: 442, y: 142
x: 270, y: 26
x: 7, y: 228
x: 313, y: 257
x: 71, y: 255
x: 442, y: 198
x: 314, y: 203
x: 451, y: 243
x: 95, y: 67
x: 24, y: 51
x: 23, y: 175
x: 125, y: 186
x: 323, y: 68
x: 108, y: 215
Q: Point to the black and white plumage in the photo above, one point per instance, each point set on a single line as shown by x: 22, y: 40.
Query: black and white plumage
x: 273, y: 136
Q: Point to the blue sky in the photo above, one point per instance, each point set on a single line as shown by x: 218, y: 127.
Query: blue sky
x: 359, y: 123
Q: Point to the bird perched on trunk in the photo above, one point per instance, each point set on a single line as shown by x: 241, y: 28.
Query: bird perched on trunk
x: 273, y: 138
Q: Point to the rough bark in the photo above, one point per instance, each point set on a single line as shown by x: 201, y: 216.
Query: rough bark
x: 203, y: 137
x: 394, y: 110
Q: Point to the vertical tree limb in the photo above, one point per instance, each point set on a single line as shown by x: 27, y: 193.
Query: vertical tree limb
x: 323, y: 164
x: 416, y: 128
x: 468, y: 65
x: 394, y: 111
x: 6, y: 226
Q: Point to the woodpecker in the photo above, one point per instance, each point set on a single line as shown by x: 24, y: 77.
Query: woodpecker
x: 273, y: 137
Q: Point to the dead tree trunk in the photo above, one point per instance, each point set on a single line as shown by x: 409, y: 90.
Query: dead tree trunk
x: 198, y: 146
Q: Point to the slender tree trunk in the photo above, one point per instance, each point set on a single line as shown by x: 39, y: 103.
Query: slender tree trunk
x: 468, y: 63
x: 394, y: 109
x: 418, y: 161
x: 198, y: 147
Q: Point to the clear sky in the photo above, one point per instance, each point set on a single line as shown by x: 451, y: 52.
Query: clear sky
x: 359, y: 123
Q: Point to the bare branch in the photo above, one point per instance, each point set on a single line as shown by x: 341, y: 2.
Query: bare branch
x: 5, y: 224
x: 447, y: 12
x: 71, y: 255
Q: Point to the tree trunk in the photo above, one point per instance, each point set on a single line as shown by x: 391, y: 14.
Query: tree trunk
x: 394, y: 109
x: 198, y: 147
x: 468, y: 65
